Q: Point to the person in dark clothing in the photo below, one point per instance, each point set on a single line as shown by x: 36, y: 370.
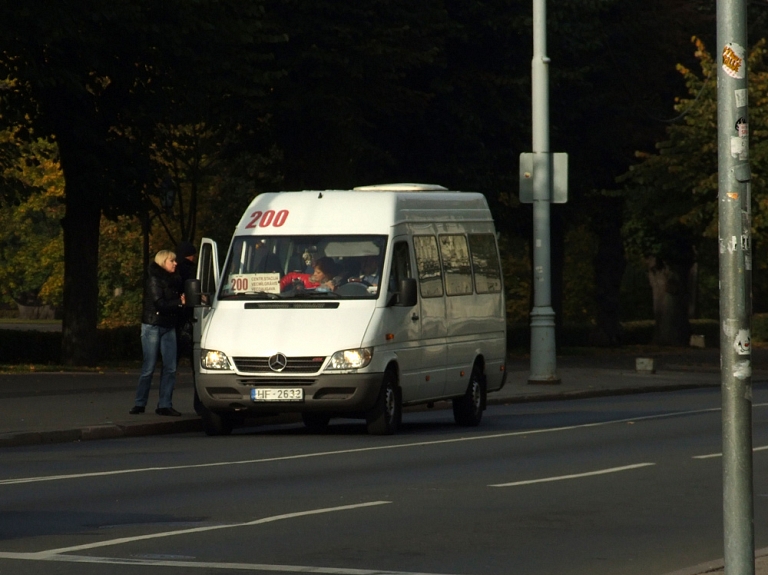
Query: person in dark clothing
x: 186, y: 254
x: 186, y: 269
x: 162, y: 305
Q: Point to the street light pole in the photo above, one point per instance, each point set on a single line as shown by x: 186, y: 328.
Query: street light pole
x: 734, y: 204
x: 543, y: 357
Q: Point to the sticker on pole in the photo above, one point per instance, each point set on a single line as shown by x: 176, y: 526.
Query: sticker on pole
x: 742, y: 344
x: 733, y: 60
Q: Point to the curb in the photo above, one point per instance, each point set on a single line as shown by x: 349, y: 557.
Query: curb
x: 584, y: 394
x: 195, y: 424
x: 93, y: 432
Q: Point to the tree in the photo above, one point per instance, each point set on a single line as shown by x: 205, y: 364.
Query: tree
x: 671, y: 195
x: 99, y: 75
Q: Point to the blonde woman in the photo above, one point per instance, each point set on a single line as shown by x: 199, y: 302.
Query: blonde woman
x: 163, y: 303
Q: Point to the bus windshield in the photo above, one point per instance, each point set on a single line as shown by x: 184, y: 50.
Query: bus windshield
x: 303, y: 267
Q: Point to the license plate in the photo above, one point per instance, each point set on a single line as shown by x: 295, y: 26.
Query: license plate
x: 277, y: 394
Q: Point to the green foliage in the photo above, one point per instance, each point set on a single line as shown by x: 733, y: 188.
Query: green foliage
x: 30, y: 234
x: 579, y: 307
x: 120, y: 272
x: 516, y: 267
x: 760, y: 327
x: 636, y: 296
x: 672, y: 195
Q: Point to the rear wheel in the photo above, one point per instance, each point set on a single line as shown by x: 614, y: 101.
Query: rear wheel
x: 386, y: 415
x: 316, y: 422
x: 468, y: 409
x: 216, y: 423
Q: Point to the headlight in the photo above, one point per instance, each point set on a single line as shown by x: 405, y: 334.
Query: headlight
x: 212, y: 359
x: 351, y: 358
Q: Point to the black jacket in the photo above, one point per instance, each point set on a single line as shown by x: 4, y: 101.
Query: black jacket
x: 186, y: 270
x: 162, y: 301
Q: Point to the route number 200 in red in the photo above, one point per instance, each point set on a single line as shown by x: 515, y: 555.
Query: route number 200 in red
x: 269, y: 218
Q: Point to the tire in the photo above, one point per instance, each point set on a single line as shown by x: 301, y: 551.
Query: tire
x: 468, y: 409
x: 215, y: 423
x: 386, y: 415
x: 316, y: 422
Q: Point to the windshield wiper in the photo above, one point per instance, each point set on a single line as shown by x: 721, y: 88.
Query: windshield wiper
x: 265, y: 294
x: 326, y: 294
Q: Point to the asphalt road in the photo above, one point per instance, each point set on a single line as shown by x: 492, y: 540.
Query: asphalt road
x: 620, y: 485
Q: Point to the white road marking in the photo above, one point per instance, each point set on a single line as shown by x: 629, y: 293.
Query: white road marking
x: 573, y: 476
x: 121, y: 540
x: 360, y: 449
x: 58, y: 554
x: 209, y: 565
x: 711, y: 455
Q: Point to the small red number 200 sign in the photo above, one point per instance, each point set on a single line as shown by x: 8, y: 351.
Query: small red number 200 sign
x: 268, y: 218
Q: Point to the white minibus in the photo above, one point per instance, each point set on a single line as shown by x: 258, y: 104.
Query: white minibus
x: 351, y: 304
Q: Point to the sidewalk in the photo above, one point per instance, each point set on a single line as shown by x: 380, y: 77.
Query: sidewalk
x: 52, y: 407
x: 49, y: 407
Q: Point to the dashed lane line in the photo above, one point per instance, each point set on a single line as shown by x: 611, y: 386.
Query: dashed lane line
x: 20, y: 480
x: 573, y: 475
x: 122, y: 540
x: 711, y: 455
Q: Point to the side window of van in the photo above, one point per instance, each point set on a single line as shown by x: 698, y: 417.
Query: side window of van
x: 428, y: 265
x: 401, y: 265
x: 485, y: 263
x: 458, y: 273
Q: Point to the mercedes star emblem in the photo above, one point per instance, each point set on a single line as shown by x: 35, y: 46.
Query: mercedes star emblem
x: 277, y: 362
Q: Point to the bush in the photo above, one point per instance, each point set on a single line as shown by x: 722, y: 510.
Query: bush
x: 119, y: 344
x: 760, y: 327
x: 26, y: 346
x: 633, y: 333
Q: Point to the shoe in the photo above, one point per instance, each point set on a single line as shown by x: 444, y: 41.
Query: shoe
x: 136, y: 409
x: 166, y: 411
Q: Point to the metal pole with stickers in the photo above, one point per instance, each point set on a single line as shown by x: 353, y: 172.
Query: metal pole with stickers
x: 735, y: 287
x: 543, y: 181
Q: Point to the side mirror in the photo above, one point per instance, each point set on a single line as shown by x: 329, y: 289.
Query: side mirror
x: 192, y: 295
x: 407, y: 296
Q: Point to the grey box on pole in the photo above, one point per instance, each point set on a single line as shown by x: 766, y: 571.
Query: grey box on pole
x: 559, y: 178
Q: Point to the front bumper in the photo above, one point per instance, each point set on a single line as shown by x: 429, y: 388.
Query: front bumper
x: 349, y: 393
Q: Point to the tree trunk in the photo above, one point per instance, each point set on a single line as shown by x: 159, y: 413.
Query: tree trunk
x: 669, y: 284
x: 609, y: 266
x: 81, y: 287
x: 81, y: 151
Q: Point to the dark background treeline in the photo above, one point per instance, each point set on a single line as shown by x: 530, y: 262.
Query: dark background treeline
x: 211, y: 102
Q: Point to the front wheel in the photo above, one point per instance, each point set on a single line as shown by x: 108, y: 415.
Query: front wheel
x: 468, y: 409
x: 386, y: 415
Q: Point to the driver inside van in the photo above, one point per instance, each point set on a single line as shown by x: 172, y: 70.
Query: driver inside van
x: 369, y: 270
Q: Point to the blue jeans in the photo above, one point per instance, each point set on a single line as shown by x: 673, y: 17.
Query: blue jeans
x: 156, y: 339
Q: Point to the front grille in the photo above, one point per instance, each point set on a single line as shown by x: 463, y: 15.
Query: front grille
x: 294, y: 365
x: 276, y: 381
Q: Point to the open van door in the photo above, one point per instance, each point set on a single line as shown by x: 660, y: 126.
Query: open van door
x: 207, y: 283
x: 208, y: 268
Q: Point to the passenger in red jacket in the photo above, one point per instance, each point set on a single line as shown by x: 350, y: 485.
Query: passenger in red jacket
x: 323, y: 278
x: 291, y: 278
